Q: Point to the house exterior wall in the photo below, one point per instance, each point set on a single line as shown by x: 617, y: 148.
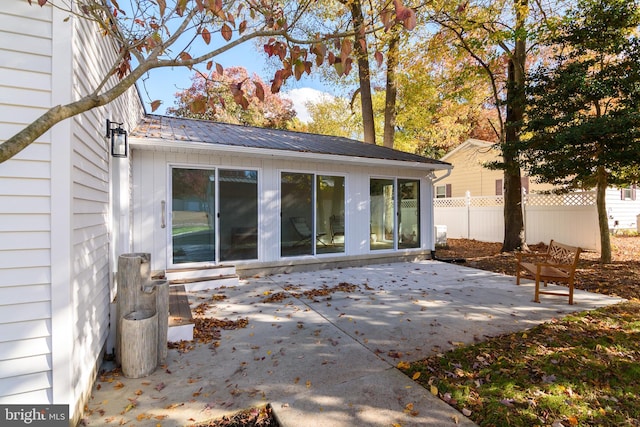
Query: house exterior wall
x: 150, y: 174
x: 470, y: 174
x: 54, y: 209
x: 26, y: 91
x: 623, y: 213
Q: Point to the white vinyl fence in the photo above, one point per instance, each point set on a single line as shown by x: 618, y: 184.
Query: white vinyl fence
x: 568, y: 218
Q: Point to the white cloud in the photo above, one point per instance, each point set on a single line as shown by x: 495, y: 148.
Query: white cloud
x: 300, y: 97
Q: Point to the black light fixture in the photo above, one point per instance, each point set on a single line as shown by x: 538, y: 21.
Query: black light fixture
x: 119, y: 146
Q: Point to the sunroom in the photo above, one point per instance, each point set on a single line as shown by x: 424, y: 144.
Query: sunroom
x: 208, y: 194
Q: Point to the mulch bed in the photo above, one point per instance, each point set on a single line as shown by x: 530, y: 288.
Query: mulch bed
x: 619, y: 279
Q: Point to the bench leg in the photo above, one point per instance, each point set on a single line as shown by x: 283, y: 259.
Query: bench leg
x: 571, y: 293
x: 536, y: 297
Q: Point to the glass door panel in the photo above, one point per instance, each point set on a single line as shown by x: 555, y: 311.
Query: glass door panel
x: 409, y: 214
x: 382, y: 221
x: 329, y: 214
x: 297, y: 235
x: 193, y: 215
x: 238, y: 214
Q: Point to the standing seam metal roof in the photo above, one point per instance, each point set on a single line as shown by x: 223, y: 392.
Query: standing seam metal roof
x: 203, y: 131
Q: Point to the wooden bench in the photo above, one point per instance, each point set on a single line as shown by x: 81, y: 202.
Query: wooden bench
x: 557, y: 265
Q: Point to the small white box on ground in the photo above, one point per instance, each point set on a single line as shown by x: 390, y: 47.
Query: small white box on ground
x: 441, y: 235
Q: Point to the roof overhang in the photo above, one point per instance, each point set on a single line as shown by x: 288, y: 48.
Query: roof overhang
x: 158, y: 144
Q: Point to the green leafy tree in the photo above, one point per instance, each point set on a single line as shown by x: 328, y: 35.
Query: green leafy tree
x: 499, y: 34
x: 213, y: 97
x: 444, y: 98
x: 583, y: 114
x: 334, y: 116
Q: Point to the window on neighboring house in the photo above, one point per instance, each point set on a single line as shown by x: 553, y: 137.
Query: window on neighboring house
x: 524, y: 182
x: 628, y: 193
x: 443, y: 191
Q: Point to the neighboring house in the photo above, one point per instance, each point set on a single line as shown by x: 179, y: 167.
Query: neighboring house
x: 191, y: 193
x: 470, y: 175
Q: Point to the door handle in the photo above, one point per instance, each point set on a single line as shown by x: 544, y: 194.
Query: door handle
x: 163, y: 222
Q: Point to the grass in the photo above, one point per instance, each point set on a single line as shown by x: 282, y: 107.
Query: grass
x: 582, y: 370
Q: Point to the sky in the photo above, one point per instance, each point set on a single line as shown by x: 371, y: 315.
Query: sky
x: 163, y: 83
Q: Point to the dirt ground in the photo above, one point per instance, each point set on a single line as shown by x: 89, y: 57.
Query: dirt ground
x: 621, y: 278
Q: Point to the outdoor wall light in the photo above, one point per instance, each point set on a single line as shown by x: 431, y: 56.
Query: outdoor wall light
x: 118, y: 137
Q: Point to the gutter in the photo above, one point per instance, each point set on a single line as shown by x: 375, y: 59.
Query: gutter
x: 443, y: 176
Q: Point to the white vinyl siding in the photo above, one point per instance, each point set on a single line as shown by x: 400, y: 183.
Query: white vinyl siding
x: 625, y: 212
x: 54, y: 229
x: 25, y: 207
x: 150, y: 171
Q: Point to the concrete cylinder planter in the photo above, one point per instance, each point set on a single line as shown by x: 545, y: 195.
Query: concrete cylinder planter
x: 139, y: 339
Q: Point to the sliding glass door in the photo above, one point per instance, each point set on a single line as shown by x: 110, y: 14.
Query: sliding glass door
x: 238, y: 213
x: 214, y: 215
x: 193, y: 222
x: 296, y: 216
x: 408, y: 213
x: 312, y: 214
x: 382, y: 211
x: 394, y: 213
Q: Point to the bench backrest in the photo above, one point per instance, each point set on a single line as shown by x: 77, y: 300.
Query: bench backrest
x: 559, y: 253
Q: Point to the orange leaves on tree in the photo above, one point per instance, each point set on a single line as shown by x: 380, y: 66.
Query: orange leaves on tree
x: 259, y: 91
x: 320, y: 51
x: 198, y: 105
x: 181, y: 6
x: 346, y: 48
x: 206, y: 35
x: 405, y: 15
x: 184, y: 56
x: 162, y: 6
x: 226, y: 32
x: 155, y: 105
x: 378, y: 57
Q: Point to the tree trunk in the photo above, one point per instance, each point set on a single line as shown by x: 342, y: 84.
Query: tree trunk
x: 360, y: 47
x: 603, y: 220
x: 514, y: 233
x: 391, y: 90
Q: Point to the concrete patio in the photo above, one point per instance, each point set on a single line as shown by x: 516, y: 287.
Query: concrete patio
x: 329, y: 358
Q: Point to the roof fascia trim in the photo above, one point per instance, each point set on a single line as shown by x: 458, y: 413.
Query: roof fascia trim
x: 156, y: 143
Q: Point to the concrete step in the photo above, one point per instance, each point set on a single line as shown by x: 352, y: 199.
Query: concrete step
x: 208, y: 271
x: 204, y: 283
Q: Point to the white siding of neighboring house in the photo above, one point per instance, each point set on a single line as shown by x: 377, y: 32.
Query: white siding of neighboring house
x: 625, y: 212
x: 54, y: 226
x: 150, y: 171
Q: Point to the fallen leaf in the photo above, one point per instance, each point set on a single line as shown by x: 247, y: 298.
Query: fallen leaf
x: 416, y: 376
x: 403, y: 365
x: 434, y: 390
